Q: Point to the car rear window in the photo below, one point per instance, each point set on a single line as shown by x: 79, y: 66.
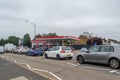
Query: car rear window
x: 66, y: 48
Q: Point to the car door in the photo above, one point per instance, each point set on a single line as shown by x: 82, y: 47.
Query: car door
x: 90, y: 56
x: 50, y: 53
x: 103, y: 55
x: 56, y: 51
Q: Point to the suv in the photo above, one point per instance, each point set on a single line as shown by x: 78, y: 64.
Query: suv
x: 105, y: 54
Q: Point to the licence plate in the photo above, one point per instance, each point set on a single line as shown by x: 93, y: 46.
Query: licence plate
x: 68, y: 55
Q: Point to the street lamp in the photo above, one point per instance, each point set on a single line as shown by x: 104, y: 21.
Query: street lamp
x: 34, y: 27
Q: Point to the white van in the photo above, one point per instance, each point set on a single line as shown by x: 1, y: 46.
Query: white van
x: 1, y: 49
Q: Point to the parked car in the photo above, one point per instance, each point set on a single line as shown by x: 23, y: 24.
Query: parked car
x: 59, y: 52
x: 83, y: 49
x: 104, y: 54
x: 15, y: 50
x: 9, y: 47
x: 22, y: 50
x: 1, y: 49
x: 35, y: 52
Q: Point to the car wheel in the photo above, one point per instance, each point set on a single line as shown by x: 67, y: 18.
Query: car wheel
x: 80, y: 59
x: 70, y: 58
x: 41, y: 54
x: 58, y: 57
x: 46, y: 56
x: 114, y: 63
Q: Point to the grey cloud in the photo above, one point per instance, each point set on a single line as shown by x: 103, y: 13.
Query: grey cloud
x: 65, y: 17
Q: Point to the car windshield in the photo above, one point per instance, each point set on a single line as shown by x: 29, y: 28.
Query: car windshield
x: 66, y: 48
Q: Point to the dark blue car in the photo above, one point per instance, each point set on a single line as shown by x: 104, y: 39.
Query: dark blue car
x: 35, y: 52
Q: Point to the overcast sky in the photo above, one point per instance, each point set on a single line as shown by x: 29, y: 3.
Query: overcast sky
x: 65, y: 17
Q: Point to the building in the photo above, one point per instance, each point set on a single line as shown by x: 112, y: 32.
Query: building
x: 54, y: 40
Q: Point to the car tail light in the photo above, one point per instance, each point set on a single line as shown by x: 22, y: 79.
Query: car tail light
x: 62, y: 51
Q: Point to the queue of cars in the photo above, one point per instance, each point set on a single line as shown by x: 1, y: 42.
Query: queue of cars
x: 103, y: 54
x: 57, y: 52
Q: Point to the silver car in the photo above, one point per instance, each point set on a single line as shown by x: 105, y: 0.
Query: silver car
x: 104, y: 54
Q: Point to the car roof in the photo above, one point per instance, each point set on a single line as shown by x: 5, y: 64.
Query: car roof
x: 110, y: 45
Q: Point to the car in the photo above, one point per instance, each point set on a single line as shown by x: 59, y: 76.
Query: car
x: 14, y: 50
x: 35, y: 52
x: 83, y: 49
x: 1, y: 49
x: 59, y: 52
x: 22, y: 50
x: 104, y: 54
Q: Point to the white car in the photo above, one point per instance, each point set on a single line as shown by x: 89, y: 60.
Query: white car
x: 59, y: 52
x: 1, y: 49
x: 22, y: 50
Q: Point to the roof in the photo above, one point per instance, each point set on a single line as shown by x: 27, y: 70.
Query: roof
x: 57, y: 38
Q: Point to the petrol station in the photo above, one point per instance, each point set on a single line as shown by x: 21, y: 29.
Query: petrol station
x: 54, y: 41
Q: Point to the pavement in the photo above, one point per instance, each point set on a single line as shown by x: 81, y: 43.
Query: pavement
x: 11, y: 71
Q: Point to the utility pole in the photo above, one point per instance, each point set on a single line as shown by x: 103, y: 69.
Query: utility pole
x: 34, y: 27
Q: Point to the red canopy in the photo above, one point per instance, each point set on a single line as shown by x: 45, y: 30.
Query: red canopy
x: 56, y: 37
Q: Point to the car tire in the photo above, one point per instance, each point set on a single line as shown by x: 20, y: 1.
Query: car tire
x: 58, y: 57
x: 46, y: 56
x: 70, y: 58
x: 114, y: 63
x: 41, y: 54
x: 80, y: 59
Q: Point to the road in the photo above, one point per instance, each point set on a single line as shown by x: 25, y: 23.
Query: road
x: 11, y: 71
x: 63, y: 69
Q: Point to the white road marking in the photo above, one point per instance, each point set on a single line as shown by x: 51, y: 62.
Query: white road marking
x: 28, y: 66
x: 39, y: 70
x: 55, y: 76
x: 48, y: 72
x: 20, y: 78
x: 89, y: 67
x: 2, y: 56
x: 15, y: 61
x: 113, y: 71
x: 94, y: 68
x: 71, y: 64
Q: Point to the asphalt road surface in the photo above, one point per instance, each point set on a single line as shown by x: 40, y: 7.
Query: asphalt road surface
x: 64, y: 69
x: 11, y: 71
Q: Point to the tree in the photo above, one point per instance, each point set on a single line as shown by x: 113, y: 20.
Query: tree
x: 27, y: 40
x: 52, y: 34
x: 94, y: 40
x: 2, y: 42
x: 13, y: 39
x: 49, y: 34
x: 38, y: 35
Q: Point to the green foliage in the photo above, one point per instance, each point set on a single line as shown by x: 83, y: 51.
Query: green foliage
x: 38, y: 35
x: 49, y: 34
x: 94, y: 40
x: 27, y: 40
x: 2, y: 42
x: 13, y: 39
